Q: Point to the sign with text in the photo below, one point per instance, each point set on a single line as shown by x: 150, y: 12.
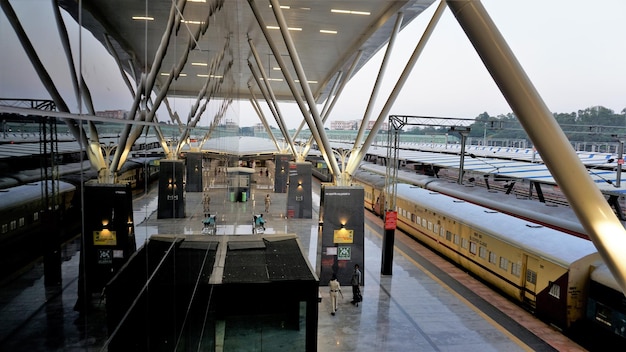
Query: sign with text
x: 104, y: 238
x: 343, y: 236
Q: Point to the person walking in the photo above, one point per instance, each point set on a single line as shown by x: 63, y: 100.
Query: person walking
x: 356, y: 283
x: 335, y: 289
x: 268, y: 202
x: 207, y: 204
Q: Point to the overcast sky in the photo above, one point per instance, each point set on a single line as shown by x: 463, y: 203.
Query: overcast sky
x: 574, y: 52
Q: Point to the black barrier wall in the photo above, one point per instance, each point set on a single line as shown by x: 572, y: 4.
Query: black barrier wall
x: 194, y: 172
x: 281, y: 172
x: 341, y: 228
x: 299, y: 199
x: 171, y: 190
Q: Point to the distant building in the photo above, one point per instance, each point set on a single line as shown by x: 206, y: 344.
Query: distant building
x: 259, y: 128
x: 354, y: 125
x: 113, y: 114
x: 343, y: 125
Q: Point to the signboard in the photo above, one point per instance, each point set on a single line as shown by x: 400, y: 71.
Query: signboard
x: 391, y: 218
x: 105, y: 256
x: 343, y: 236
x: 344, y: 253
x: 104, y: 238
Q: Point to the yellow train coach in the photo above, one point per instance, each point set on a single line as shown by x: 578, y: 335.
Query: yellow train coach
x: 544, y: 269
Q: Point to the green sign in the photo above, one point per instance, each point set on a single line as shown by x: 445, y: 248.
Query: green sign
x: 344, y: 253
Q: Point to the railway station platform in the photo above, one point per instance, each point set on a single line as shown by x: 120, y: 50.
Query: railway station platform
x: 426, y: 305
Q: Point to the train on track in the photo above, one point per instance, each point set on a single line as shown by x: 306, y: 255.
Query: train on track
x: 549, y: 214
x: 31, y: 222
x: 559, y: 277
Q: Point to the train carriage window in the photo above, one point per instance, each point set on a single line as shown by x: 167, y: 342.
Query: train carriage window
x: 442, y: 232
x: 20, y: 222
x: 516, y: 269
x: 482, y: 252
x: 448, y: 235
x: 418, y: 220
x: 13, y: 225
x: 5, y: 228
x: 436, y: 228
x: 492, y: 257
x: 424, y: 223
x: 472, y: 248
x: 456, y: 239
x: 464, y: 243
x: 412, y: 217
x: 430, y: 226
x: 504, y: 263
x: 36, y: 216
x: 555, y: 290
x: 531, y: 276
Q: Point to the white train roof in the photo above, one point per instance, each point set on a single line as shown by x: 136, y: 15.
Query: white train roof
x: 515, y: 163
x: 552, y: 245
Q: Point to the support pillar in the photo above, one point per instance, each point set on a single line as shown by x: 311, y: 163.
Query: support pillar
x: 109, y: 236
x: 171, y: 190
x: 194, y: 172
x: 342, y: 233
x: 281, y: 161
x: 299, y: 194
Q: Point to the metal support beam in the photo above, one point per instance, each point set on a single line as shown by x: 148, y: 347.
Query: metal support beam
x: 269, y: 96
x: 313, y: 119
x: 377, y: 84
x: 594, y: 213
x: 259, y: 112
x: 327, y: 104
x: 355, y: 158
x: 345, y: 81
x: 146, y: 84
x: 45, y: 78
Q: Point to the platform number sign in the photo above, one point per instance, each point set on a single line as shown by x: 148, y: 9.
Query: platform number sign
x: 344, y: 253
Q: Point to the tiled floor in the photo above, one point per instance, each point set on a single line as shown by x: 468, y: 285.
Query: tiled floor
x: 421, y: 307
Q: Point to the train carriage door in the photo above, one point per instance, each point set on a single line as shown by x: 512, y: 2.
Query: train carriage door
x: 529, y: 296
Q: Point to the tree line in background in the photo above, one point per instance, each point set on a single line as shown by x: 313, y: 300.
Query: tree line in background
x: 593, y: 124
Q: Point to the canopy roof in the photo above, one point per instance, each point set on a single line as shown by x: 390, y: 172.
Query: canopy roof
x: 327, y: 36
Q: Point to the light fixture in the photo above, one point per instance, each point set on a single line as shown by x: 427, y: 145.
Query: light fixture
x: 143, y: 18
x: 350, y: 12
x: 208, y: 76
x: 273, y: 79
x: 328, y: 31
x: 295, y: 29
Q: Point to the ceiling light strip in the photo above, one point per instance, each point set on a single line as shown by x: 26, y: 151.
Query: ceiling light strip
x: 350, y: 12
